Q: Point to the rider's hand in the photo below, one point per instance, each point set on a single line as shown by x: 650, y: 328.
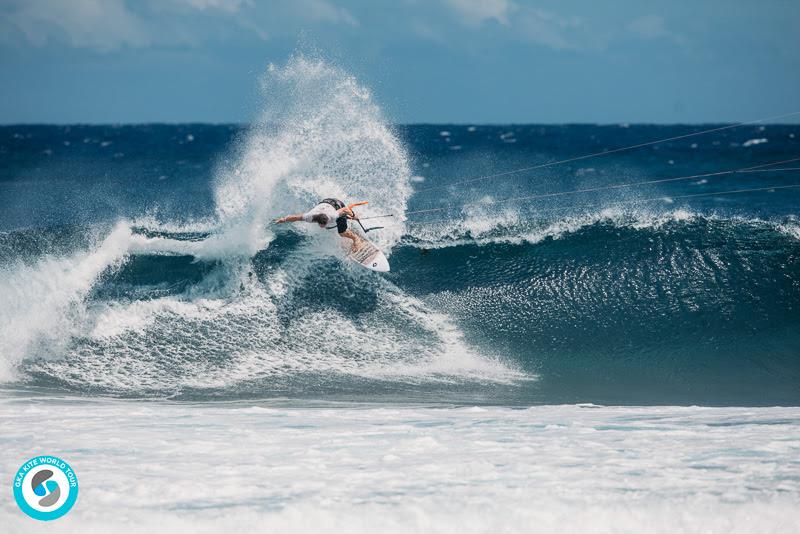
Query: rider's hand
x: 280, y: 220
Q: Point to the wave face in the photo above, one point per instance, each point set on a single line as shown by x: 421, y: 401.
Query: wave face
x: 618, y: 306
x: 139, y: 261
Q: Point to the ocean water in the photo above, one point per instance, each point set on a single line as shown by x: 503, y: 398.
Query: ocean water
x: 564, y: 348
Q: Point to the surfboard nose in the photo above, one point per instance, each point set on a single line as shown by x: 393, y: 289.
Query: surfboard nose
x: 380, y: 263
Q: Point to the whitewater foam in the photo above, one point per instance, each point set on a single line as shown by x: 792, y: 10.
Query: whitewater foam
x: 211, y: 467
x: 165, y: 345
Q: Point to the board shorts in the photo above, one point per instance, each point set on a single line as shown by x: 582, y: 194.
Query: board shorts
x: 341, y: 224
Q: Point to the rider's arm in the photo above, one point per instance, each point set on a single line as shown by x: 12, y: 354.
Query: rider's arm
x: 346, y: 211
x: 290, y: 218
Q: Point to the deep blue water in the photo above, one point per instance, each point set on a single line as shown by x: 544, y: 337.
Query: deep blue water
x: 617, y: 296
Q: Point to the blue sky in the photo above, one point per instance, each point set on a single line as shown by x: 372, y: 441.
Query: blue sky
x: 465, y: 61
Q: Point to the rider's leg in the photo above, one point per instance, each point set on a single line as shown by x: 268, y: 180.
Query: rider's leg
x: 349, y: 234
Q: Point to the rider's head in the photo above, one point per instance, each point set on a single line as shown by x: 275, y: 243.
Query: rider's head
x: 321, y: 219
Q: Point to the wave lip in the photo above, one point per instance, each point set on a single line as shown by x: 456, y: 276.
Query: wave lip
x: 510, y: 228
x: 44, y: 302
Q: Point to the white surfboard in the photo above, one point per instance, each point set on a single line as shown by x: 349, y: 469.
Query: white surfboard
x: 369, y: 257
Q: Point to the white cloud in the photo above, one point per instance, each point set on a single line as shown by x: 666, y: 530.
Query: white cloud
x: 475, y: 12
x: 108, y: 25
x: 523, y: 22
x: 101, y: 24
